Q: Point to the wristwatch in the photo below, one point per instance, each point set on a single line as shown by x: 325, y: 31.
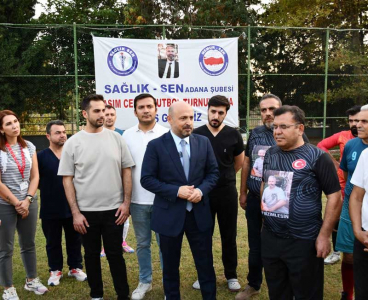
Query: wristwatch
x: 30, y: 198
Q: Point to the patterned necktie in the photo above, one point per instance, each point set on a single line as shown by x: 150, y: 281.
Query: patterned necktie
x: 186, y: 167
x: 169, y: 71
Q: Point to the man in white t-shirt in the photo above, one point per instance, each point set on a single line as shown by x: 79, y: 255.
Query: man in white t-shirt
x: 137, y: 138
x: 273, y: 198
x: 96, y: 169
x: 358, y: 208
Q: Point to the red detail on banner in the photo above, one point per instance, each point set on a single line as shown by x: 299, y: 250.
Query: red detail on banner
x: 213, y: 61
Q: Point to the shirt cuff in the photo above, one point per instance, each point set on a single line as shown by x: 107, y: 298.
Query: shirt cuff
x: 200, y: 191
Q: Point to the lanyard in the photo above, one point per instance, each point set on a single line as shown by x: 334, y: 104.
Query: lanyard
x: 22, y: 167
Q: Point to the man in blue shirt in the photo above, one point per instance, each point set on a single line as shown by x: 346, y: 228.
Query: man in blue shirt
x: 55, y: 212
x: 110, y: 119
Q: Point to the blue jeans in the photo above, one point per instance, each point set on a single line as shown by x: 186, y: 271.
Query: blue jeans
x: 141, y: 217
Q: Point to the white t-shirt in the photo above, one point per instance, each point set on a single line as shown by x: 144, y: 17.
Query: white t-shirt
x: 137, y: 142
x: 360, y: 179
x: 96, y: 161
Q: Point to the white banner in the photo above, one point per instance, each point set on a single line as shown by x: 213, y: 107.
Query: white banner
x: 171, y: 70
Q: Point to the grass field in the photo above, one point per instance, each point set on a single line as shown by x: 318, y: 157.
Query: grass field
x: 69, y: 288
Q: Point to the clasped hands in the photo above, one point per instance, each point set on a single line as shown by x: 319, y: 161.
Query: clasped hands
x: 22, y: 208
x: 190, y: 193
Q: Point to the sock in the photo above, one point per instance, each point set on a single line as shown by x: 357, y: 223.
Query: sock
x: 125, y: 230
x: 347, y: 275
x: 334, y: 236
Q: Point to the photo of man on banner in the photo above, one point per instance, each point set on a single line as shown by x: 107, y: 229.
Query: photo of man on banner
x: 168, y: 64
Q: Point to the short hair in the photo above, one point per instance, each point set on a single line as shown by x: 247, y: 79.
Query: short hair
x: 364, y: 108
x: 86, y: 103
x: 353, y: 110
x: 219, y: 100
x: 171, y: 45
x: 108, y: 106
x: 298, y: 114
x: 51, y: 123
x: 272, y: 176
x: 267, y: 96
x: 142, y: 96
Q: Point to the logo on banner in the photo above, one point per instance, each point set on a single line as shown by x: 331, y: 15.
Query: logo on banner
x: 213, y: 60
x: 299, y: 164
x: 122, y: 61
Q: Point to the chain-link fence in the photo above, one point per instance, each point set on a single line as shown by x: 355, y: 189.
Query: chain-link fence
x: 45, y: 69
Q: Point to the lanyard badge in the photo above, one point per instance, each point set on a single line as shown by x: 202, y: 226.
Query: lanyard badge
x: 21, y: 167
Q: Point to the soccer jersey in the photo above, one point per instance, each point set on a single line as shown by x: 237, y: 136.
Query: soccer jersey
x: 302, y: 173
x: 349, y: 160
x: 261, y: 138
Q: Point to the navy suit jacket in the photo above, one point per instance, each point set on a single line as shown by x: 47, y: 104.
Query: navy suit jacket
x: 163, y: 174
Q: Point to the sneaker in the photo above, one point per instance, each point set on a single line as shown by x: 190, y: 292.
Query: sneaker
x: 102, y: 254
x: 55, y: 277
x: 333, y: 258
x: 35, y: 286
x: 77, y: 274
x: 233, y: 285
x: 247, y: 293
x: 141, y: 291
x: 196, y: 285
x: 96, y: 298
x: 127, y: 248
x: 10, y: 294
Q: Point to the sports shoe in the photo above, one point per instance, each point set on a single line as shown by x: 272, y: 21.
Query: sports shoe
x: 96, y: 298
x: 196, y: 285
x: 247, y: 293
x: 333, y: 258
x: 35, y: 286
x: 233, y: 285
x: 102, y: 254
x: 10, y: 294
x: 77, y: 274
x: 55, y: 277
x: 141, y: 291
x: 127, y: 248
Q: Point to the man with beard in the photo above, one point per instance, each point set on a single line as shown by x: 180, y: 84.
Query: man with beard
x: 110, y: 119
x: 261, y: 137
x: 169, y: 67
x: 228, y: 146
x: 137, y: 138
x: 180, y: 168
x: 96, y: 169
x: 345, y: 234
x: 55, y: 212
x: 340, y: 139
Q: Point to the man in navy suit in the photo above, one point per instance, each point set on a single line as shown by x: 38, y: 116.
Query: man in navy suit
x: 180, y: 168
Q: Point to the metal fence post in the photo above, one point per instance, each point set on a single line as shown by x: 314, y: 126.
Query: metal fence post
x: 326, y: 83
x: 163, y: 32
x: 248, y: 81
x: 76, y: 75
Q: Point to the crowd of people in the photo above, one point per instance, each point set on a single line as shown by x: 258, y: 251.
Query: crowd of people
x: 179, y: 181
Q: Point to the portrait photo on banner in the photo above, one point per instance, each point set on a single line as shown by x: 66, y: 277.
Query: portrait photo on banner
x: 168, y: 60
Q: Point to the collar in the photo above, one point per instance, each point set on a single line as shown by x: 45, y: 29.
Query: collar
x: 154, y: 129
x: 177, y: 139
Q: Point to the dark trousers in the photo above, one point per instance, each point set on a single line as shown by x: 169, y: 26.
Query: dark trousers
x: 254, y: 224
x: 292, y: 268
x: 224, y: 203
x: 102, y: 223
x: 360, y: 271
x: 52, y: 229
x: 201, y: 246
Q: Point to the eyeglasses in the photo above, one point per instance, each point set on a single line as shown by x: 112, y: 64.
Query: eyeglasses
x: 284, y: 127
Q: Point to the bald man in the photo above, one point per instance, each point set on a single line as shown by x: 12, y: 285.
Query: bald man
x: 180, y: 168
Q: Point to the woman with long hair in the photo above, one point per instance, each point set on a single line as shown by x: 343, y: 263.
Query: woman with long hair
x: 18, y: 208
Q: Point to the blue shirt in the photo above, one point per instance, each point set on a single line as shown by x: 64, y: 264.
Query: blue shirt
x: 120, y: 131
x: 349, y: 160
x: 54, y: 204
x: 177, y: 141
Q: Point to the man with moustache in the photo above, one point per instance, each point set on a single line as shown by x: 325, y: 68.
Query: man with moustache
x: 93, y: 158
x: 169, y: 67
x: 340, y: 139
x: 345, y: 234
x: 295, y: 242
x: 228, y: 146
x: 180, y: 169
x: 137, y: 138
x: 110, y: 119
x: 55, y: 212
x: 261, y: 137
